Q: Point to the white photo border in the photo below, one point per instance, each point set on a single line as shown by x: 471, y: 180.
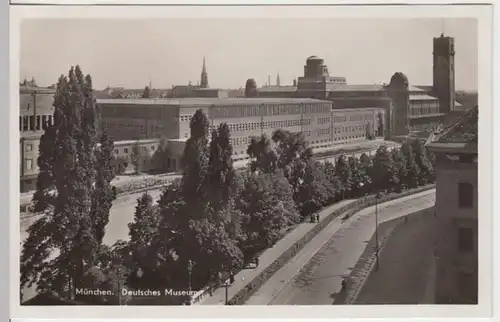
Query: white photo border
x: 484, y: 309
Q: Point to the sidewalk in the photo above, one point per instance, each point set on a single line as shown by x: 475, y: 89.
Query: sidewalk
x: 267, y: 258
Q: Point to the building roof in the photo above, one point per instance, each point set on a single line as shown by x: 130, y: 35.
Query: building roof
x: 44, y: 103
x: 425, y: 89
x: 463, y: 131
x: 41, y: 90
x: 199, y: 101
x: 133, y: 142
x: 426, y: 115
x: 357, y: 87
x: 287, y: 88
x: 422, y: 98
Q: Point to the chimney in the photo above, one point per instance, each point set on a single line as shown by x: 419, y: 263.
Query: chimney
x: 295, y: 82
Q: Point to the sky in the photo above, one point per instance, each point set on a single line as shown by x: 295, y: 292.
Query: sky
x: 129, y: 53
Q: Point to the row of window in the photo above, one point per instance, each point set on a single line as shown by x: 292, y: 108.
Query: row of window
x: 30, y: 123
x: 353, y: 118
x: 143, y: 149
x: 323, y: 120
x: 350, y: 128
x: 138, y: 112
x: 269, y: 110
x: 424, y: 110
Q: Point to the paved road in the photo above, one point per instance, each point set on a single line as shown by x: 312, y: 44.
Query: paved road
x: 406, y: 274
x: 319, y: 279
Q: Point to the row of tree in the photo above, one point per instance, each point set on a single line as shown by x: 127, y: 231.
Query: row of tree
x: 215, y: 219
x: 211, y: 221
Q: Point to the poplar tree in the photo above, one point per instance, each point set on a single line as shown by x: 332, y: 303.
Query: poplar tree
x: 64, y: 243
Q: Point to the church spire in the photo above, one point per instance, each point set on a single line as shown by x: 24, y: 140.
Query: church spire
x: 278, y: 80
x: 204, y: 75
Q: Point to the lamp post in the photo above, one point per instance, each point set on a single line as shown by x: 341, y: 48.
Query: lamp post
x: 190, y: 269
x: 226, y: 285
x: 377, y: 196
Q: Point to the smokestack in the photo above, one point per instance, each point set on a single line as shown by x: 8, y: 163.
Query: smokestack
x: 269, y: 80
x: 294, y: 82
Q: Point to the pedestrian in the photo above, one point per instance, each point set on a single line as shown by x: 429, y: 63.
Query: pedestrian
x: 256, y: 262
x: 317, y: 217
x: 231, y: 278
x: 343, y: 284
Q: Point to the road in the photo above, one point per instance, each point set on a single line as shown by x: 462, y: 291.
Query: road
x: 406, y: 274
x: 314, y: 281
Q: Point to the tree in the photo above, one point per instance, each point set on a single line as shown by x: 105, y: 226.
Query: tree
x: 263, y: 157
x: 147, y: 92
x: 413, y: 171
x: 360, y: 177
x: 215, y: 252
x: 344, y: 173
x: 137, y: 157
x: 221, y: 171
x: 315, y: 191
x: 120, y: 164
x: 103, y: 193
x: 161, y: 155
x: 64, y: 243
x: 267, y: 208
x: 142, y: 232
x: 195, y: 164
x: 426, y: 169
x: 400, y: 168
x: 384, y: 172
x: 331, y: 176
x: 366, y: 172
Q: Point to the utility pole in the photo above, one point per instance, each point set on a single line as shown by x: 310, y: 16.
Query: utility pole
x: 190, y: 269
x: 227, y: 292
x: 376, y: 233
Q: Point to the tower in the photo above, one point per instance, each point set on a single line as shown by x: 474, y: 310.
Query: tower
x: 278, y: 80
x: 443, y: 84
x: 204, y: 75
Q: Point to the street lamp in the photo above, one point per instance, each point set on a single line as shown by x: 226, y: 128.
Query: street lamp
x: 377, y: 196
x: 190, y: 269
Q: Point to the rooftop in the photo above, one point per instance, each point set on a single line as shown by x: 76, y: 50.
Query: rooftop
x: 422, y: 98
x: 199, y: 101
x: 357, y: 87
x: 287, y: 88
x: 463, y: 131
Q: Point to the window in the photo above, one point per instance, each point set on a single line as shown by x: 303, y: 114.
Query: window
x: 29, y: 147
x: 25, y: 123
x: 152, y: 148
x: 29, y: 164
x: 465, y: 195
x: 465, y: 240
x: 38, y: 123
x: 125, y: 150
x: 116, y: 151
x: 467, y: 285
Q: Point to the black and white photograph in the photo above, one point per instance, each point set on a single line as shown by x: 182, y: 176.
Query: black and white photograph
x: 242, y: 162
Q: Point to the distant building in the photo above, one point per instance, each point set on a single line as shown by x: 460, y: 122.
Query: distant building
x: 322, y: 127
x: 36, y: 111
x: 203, y: 90
x: 408, y: 108
x: 456, y: 244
